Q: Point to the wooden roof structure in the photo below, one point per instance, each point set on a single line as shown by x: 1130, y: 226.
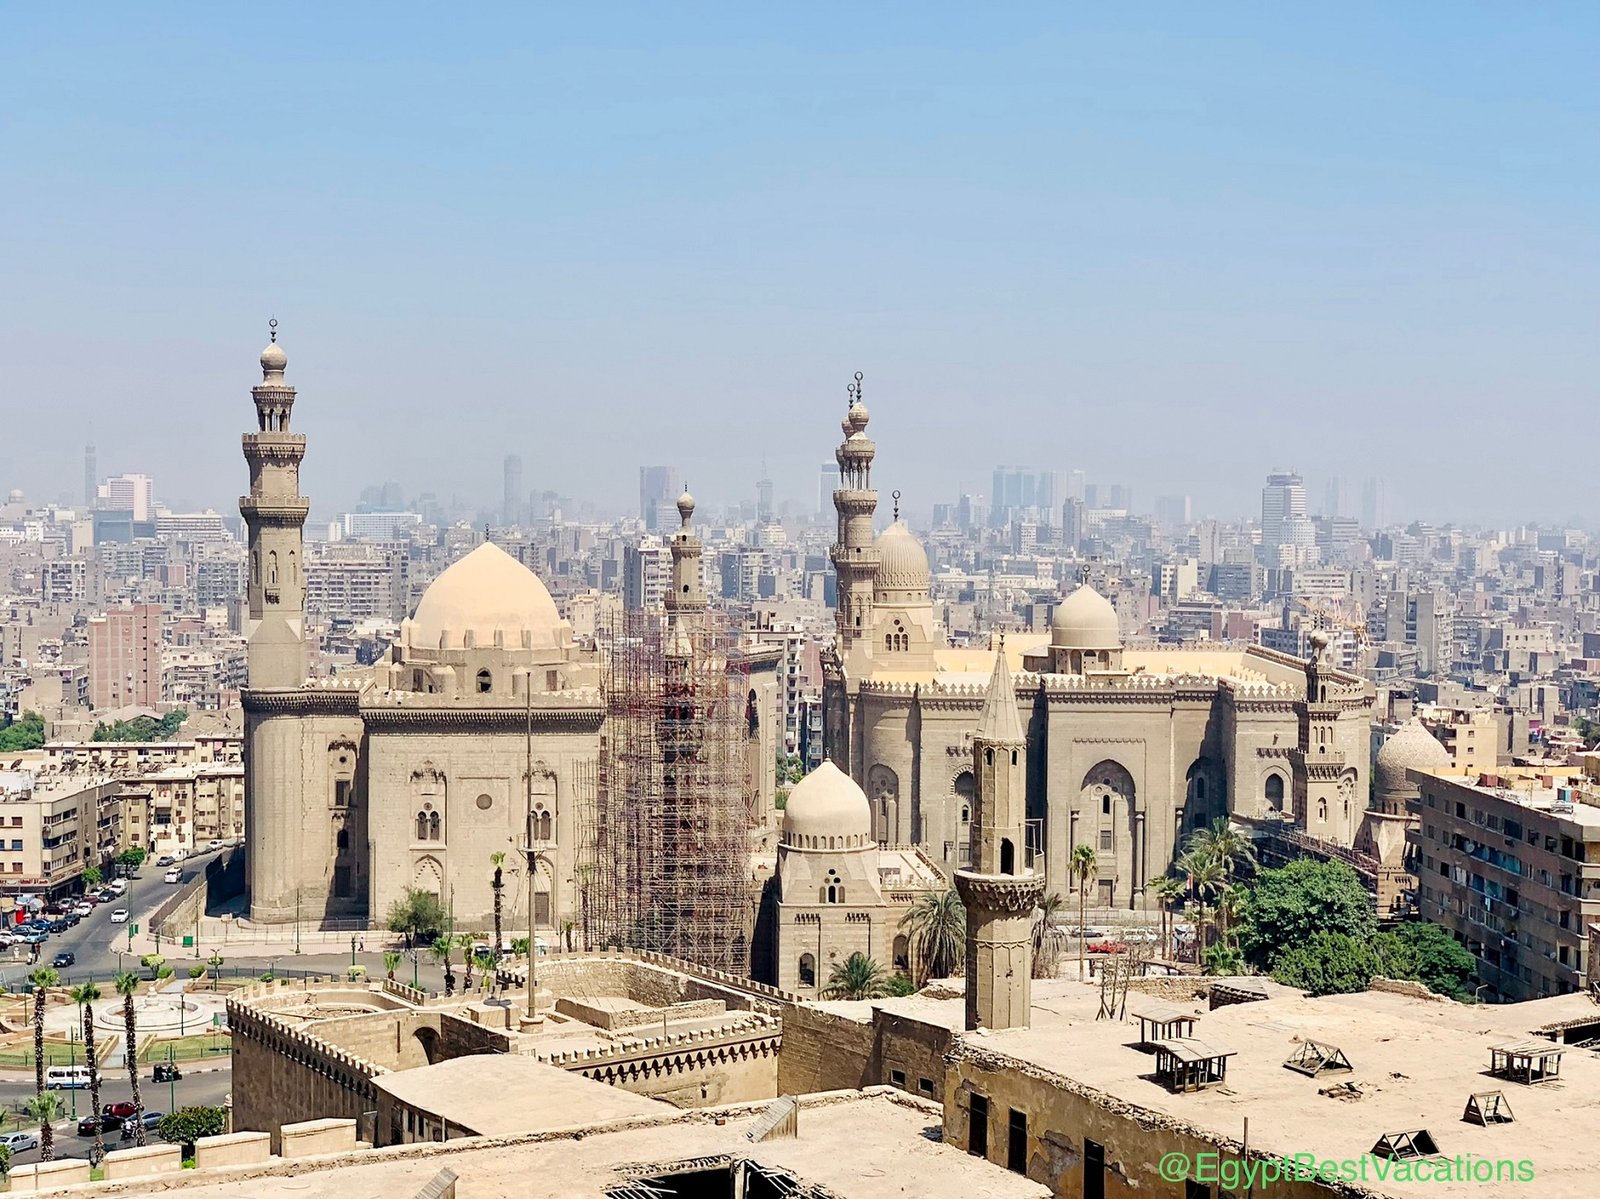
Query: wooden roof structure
x: 1486, y: 1108
x: 1313, y: 1058
x: 1526, y: 1062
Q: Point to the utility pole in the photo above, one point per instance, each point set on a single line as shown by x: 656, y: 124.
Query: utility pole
x: 533, y: 858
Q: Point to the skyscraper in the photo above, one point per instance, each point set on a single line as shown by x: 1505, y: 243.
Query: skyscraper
x: 658, y: 489
x: 511, y: 500
x: 1373, y: 511
x: 129, y: 493
x: 1283, y: 518
x: 91, y: 477
x: 827, y: 484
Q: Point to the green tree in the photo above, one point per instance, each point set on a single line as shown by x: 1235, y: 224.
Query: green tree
x: 24, y: 733
x: 214, y: 964
x: 1288, y: 906
x: 1081, y: 867
x: 141, y: 728
x: 857, y: 977
x: 899, y: 985
x: 1207, y: 879
x: 417, y: 914
x: 440, y: 950
x: 131, y: 858
x: 42, y: 979
x: 391, y: 962
x: 1442, y: 963
x: 1047, y: 935
x: 1222, y: 959
x: 45, y: 1107
x: 497, y: 885
x: 464, y: 942
x: 85, y: 996
x: 1331, y: 963
x: 188, y: 1124
x: 937, y: 924
x: 1169, y: 894
x: 197, y: 971
x: 5, y: 1161
x: 127, y: 984
x: 92, y: 877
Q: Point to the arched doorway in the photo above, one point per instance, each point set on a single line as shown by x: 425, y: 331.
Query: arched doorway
x: 1106, y: 809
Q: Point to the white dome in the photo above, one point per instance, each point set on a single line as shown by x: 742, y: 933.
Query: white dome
x: 902, y: 566
x: 1085, y: 620
x: 486, y: 591
x: 1413, y: 747
x: 827, y: 810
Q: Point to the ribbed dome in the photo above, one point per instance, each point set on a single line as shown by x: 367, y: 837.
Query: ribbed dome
x: 902, y: 566
x: 485, y: 591
x: 1413, y: 747
x: 1085, y: 620
x: 827, y: 810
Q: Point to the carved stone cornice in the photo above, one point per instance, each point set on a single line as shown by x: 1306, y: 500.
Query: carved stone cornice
x: 309, y: 702
x: 1005, y: 894
x: 483, y: 720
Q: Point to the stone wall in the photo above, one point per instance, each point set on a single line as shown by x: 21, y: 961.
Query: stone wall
x: 823, y: 1051
x: 914, y: 1048
x: 701, y: 1068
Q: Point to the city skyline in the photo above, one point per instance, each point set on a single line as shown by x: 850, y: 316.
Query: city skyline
x: 1174, y: 252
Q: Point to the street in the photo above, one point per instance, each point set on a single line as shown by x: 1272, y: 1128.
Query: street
x: 193, y: 1089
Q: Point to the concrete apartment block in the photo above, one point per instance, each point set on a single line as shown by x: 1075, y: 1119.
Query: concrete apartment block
x: 233, y: 1149
x: 136, y: 1163
x: 312, y: 1137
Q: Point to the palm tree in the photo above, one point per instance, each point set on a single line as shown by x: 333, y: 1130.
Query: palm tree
x: 857, y: 977
x: 498, y: 860
x: 1206, y: 880
x: 1047, y: 934
x: 1230, y: 847
x: 1082, y: 866
x: 45, y: 1107
x: 127, y: 983
x: 464, y: 943
x: 85, y: 997
x: 42, y: 979
x: 938, y: 927
x: 391, y: 962
x: 440, y: 952
x: 1168, y: 891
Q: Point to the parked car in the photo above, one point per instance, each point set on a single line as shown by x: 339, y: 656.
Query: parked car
x: 120, y: 916
x: 151, y: 1119
x: 118, y: 885
x: 167, y: 1072
x: 106, y: 894
x: 17, y: 1142
x: 172, y: 876
x: 90, y: 1125
x: 214, y: 844
x: 64, y: 959
x: 164, y: 860
x: 58, y: 926
x: 1108, y: 947
x: 120, y: 1110
x: 32, y: 936
x: 83, y: 909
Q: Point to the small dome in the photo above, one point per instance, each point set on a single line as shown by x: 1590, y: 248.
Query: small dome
x: 485, y: 591
x: 1085, y: 620
x: 1413, y: 747
x: 827, y: 804
x: 902, y: 565
x: 856, y: 419
x: 273, y: 359
x: 686, y: 505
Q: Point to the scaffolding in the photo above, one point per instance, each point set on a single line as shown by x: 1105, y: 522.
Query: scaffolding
x: 670, y: 831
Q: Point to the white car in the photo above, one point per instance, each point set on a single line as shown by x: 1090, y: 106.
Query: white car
x: 173, y: 876
x: 213, y: 845
x: 120, y: 916
x: 83, y: 909
x: 17, y: 1142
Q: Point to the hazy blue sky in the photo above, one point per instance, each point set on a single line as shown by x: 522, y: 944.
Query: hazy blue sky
x: 1174, y: 248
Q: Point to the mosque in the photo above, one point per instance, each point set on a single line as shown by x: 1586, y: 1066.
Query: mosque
x: 1128, y: 750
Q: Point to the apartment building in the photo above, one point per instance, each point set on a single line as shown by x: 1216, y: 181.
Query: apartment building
x: 50, y: 832
x: 1509, y: 863
x: 125, y: 658
x: 1471, y: 735
x: 184, y: 807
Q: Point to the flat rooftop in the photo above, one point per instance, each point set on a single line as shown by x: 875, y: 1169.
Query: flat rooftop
x: 1415, y: 1062
x: 859, y: 1145
x: 504, y: 1094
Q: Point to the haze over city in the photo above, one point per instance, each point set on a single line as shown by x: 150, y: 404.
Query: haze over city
x: 1177, y: 249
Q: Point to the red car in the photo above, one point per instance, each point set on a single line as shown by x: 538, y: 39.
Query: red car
x: 121, y: 1111
x: 1107, y: 947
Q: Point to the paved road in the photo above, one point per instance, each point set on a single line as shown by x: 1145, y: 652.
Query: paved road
x: 193, y: 1089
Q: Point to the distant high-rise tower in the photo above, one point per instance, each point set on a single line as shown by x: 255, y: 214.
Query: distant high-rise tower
x: 511, y: 499
x: 1000, y: 890
x: 658, y: 487
x: 855, y: 555
x: 1373, y: 513
x: 91, y: 477
x: 764, y: 498
x: 827, y: 484
x: 1283, y: 517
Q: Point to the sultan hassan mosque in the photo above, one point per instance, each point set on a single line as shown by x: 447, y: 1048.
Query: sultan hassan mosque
x: 1127, y: 749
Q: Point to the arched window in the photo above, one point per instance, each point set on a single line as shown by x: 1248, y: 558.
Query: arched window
x: 988, y: 757
x: 1008, y: 856
x: 294, y: 570
x: 435, y: 827
x: 1322, y: 809
x: 485, y: 682
x: 1200, y: 786
x: 808, y: 970
x: 342, y: 841
x: 1105, y: 805
x: 966, y: 814
x: 1013, y: 757
x: 422, y: 826
x: 545, y: 826
x: 902, y: 952
x: 1275, y: 791
x: 272, y: 568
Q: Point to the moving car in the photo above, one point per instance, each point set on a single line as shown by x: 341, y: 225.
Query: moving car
x: 151, y: 1119
x: 64, y: 959
x: 16, y: 1142
x: 120, y: 1110
x: 120, y: 916
x: 213, y: 845
x: 90, y: 1125
x: 118, y: 886
x: 83, y: 909
x: 58, y: 1077
x: 165, y: 859
x: 167, y: 1072
x: 172, y: 876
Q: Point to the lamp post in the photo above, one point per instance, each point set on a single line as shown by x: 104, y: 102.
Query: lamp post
x: 352, y: 949
x: 73, y: 1042
x: 415, y: 961
x: 172, y: 1084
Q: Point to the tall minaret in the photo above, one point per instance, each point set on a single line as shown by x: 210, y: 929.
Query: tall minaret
x: 999, y: 890
x: 685, y: 600
x: 1317, y: 761
x: 275, y: 514
x: 855, y: 559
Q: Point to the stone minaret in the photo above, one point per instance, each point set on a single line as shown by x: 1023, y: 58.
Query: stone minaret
x: 275, y: 514
x: 685, y: 600
x: 855, y: 560
x: 1317, y: 761
x: 1000, y: 891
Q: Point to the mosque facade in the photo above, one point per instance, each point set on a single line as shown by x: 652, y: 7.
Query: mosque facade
x: 1128, y: 750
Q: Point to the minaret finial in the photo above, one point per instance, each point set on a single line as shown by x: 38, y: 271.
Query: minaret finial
x: 273, y: 326
x: 851, y: 392
x: 896, y: 494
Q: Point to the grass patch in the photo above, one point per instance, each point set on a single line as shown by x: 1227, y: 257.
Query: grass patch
x: 58, y: 1051
x: 185, y: 1049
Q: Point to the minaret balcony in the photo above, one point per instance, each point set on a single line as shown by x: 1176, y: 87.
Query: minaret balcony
x: 275, y: 509
x: 283, y: 447
x: 1009, y: 894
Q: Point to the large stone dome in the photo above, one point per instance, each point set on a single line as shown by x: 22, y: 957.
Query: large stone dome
x: 486, y: 591
x: 827, y: 810
x: 902, y: 566
x: 1413, y: 747
x: 1085, y: 620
